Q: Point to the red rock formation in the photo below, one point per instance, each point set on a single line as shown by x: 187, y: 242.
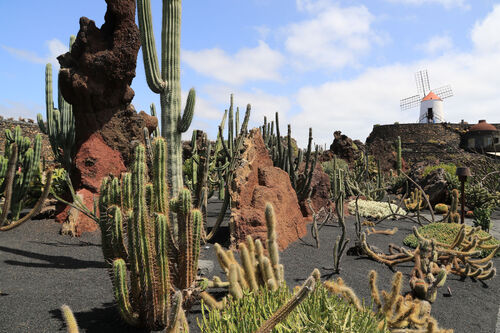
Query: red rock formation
x: 257, y: 182
x: 95, y: 78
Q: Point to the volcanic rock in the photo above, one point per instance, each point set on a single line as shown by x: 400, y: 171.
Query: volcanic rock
x: 345, y: 148
x: 257, y: 182
x: 436, y: 186
x: 95, y: 77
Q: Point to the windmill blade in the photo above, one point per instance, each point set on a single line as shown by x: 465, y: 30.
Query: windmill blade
x: 443, y: 92
x: 422, y: 80
x: 410, y: 102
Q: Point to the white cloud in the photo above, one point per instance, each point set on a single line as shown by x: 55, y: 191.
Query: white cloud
x: 16, y: 109
x: 55, y: 46
x: 436, y: 45
x: 334, y: 38
x: 485, y: 33
x: 354, y: 106
x: 248, y: 64
x: 448, y: 4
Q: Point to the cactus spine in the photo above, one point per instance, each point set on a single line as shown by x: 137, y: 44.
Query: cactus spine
x: 60, y: 124
x: 167, y: 82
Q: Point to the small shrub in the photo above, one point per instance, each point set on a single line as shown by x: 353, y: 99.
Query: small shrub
x: 374, y: 209
x: 441, y: 208
x: 446, y: 233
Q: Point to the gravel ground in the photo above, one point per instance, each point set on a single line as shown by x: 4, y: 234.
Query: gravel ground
x: 40, y: 270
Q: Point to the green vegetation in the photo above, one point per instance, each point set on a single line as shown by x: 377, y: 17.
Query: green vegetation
x: 320, y: 312
x: 446, y: 233
x: 450, y: 168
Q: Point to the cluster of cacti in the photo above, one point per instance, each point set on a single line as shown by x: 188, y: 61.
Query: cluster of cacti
x: 139, y: 242
x: 427, y: 276
x: 60, y: 124
x: 320, y: 312
x: 441, y: 208
x: 415, y: 202
x: 284, y: 157
x: 167, y: 83
x: 398, y: 312
x: 221, y: 169
x: 457, y: 257
x: 453, y: 214
x: 477, y: 195
x: 19, y: 166
x: 256, y: 268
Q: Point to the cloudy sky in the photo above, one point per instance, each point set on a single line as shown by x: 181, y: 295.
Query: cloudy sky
x: 330, y: 65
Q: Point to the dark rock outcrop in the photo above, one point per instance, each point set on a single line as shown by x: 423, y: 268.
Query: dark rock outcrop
x: 345, y: 148
x: 95, y: 77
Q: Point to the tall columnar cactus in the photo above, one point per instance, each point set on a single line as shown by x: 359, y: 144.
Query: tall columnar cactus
x: 454, y: 215
x: 398, y: 155
x: 167, y: 82
x: 60, y: 124
x: 147, y: 251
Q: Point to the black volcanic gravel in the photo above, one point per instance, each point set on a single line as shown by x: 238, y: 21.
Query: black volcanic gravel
x: 40, y: 270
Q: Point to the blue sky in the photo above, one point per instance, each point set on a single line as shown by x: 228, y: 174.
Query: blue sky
x: 330, y: 65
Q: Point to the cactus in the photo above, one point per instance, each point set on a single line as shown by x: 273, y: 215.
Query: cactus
x: 155, y: 259
x: 15, y: 183
x: 69, y: 318
x: 401, y: 314
x: 283, y: 157
x: 19, y: 167
x: 167, y: 83
x: 231, y: 149
x: 399, y: 163
x: 340, y: 243
x: 286, y: 309
x: 415, y: 201
x: 60, y: 124
x: 454, y: 215
x: 256, y: 268
x: 441, y: 208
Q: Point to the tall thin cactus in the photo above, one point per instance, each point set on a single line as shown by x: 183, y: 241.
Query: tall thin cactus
x: 167, y: 82
x: 60, y: 123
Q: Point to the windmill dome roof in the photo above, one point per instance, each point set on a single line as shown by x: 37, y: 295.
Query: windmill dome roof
x: 430, y: 96
x: 482, y: 125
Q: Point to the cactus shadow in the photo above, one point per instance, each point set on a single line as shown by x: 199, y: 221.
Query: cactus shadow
x: 60, y: 262
x: 104, y: 319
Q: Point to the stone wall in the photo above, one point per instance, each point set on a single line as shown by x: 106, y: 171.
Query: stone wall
x: 30, y: 129
x: 422, y: 141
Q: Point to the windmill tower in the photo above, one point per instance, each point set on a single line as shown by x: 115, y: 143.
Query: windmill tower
x: 431, y: 101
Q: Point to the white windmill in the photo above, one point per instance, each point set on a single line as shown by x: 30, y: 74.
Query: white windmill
x: 431, y: 101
